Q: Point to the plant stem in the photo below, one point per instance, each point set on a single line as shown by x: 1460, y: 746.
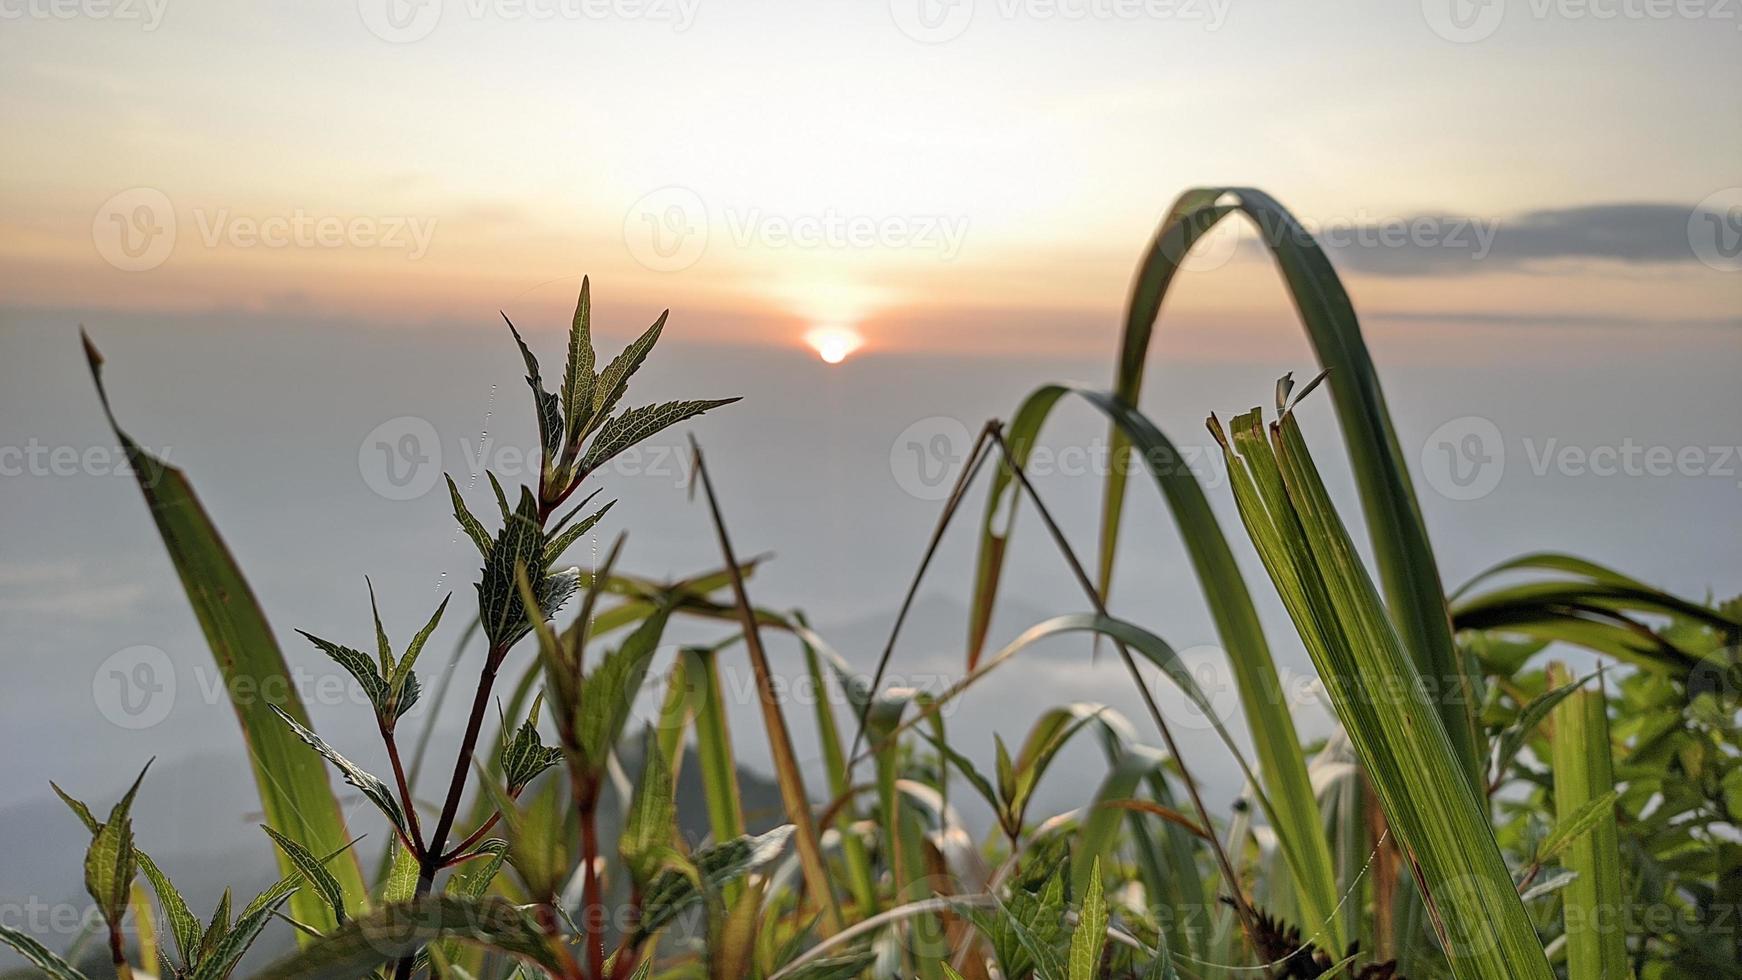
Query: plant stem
x: 392, y: 743
x: 430, y: 861
x: 118, y: 952
x: 592, y: 903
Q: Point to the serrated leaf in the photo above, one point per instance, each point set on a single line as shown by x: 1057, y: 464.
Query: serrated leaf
x: 524, y: 755
x: 325, y: 885
x: 383, y: 649
x: 371, y: 787
x: 637, y: 424
x: 358, y: 665
x: 109, y: 861
x: 227, y: 947
x: 614, y: 380
x: 647, y: 829
x: 218, y: 928
x: 182, y: 923
x: 389, y: 933
x: 475, y: 882
x: 402, y: 874
x: 39, y: 955
x: 403, y: 670
x: 609, y: 690
x: 519, y: 543
x: 562, y: 541
x: 1047, y: 965
x: 79, y: 809
x: 672, y: 891
x: 1090, y: 937
x: 578, y: 376
x: 471, y: 525
x: 546, y: 406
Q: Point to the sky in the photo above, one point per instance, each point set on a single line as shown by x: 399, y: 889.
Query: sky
x: 775, y: 168
x: 291, y: 228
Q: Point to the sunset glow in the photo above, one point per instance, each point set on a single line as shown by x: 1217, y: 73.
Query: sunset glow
x: 834, y: 344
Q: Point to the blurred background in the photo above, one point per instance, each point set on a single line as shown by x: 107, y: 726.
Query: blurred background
x: 293, y: 230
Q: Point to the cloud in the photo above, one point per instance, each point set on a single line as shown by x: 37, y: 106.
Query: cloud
x: 1450, y: 245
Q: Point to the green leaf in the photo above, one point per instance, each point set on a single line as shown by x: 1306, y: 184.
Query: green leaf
x: 672, y: 891
x: 610, y: 689
x: 1518, y: 733
x: 1287, y: 789
x: 325, y: 885
x: 614, y: 380
x: 647, y: 830
x: 394, y: 931
x: 383, y: 649
x: 403, y: 671
x: 38, y: 955
x: 291, y: 781
x: 636, y: 424
x: 358, y: 665
x: 1090, y: 937
x: 1380, y: 697
x: 182, y: 924
x: 1006, y: 772
x: 1047, y: 965
x: 561, y: 542
x: 472, y: 880
x: 471, y: 525
x: 402, y: 874
x: 1576, y: 824
x: 109, y: 861
x: 377, y: 791
x: 546, y: 406
x: 578, y: 376
x: 965, y: 766
x: 524, y: 755
x: 218, y: 928
x: 520, y: 542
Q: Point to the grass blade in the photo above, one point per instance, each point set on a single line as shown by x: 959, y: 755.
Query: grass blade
x: 1583, y: 775
x: 292, y: 780
x: 1382, y: 702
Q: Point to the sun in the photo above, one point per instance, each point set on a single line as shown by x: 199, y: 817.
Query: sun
x: 833, y: 344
